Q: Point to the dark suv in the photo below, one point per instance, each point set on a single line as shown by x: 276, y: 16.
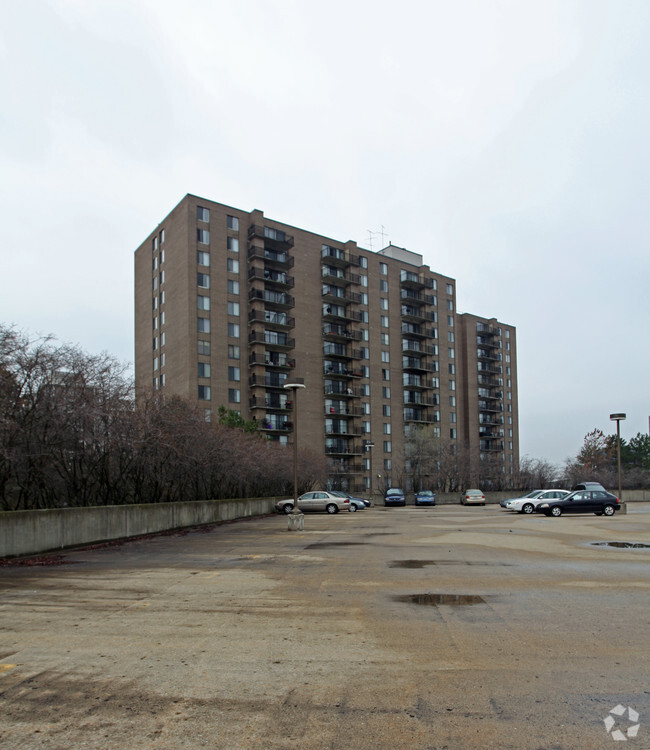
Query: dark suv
x: 582, y: 501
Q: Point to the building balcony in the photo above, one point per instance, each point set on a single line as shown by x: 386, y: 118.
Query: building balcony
x: 347, y: 411
x: 275, y: 300
x: 417, y: 314
x: 488, y: 341
x: 411, y: 329
x: 411, y: 280
x: 413, y: 297
x: 344, y: 431
x: 335, y: 256
x: 278, y: 259
x: 272, y: 425
x: 271, y: 359
x: 418, y: 415
x: 271, y: 276
x: 344, y: 448
x: 272, y: 401
x: 338, y: 312
x: 486, y: 355
x: 419, y: 364
x: 339, y: 295
x: 339, y: 277
x: 421, y: 383
x: 272, y: 237
x: 490, y: 406
x: 272, y: 319
x: 341, y: 390
x: 336, y: 331
x: 269, y: 380
x: 413, y: 346
x: 277, y: 342
x: 417, y: 400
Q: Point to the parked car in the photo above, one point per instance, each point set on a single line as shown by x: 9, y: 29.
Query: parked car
x: 356, y: 503
x: 331, y: 502
x: 583, y: 501
x: 472, y: 497
x: 394, y: 496
x: 425, y: 497
x: 363, y: 500
x: 527, y: 504
x: 532, y: 494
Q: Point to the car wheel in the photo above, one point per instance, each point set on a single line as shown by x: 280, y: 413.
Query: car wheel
x: 556, y: 511
x: 331, y: 508
x: 353, y: 508
x: 608, y: 510
x: 528, y: 508
x: 286, y: 509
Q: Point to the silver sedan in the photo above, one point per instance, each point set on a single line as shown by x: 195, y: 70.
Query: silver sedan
x: 331, y: 502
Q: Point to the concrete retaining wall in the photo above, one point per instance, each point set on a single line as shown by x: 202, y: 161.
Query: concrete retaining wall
x: 30, y: 532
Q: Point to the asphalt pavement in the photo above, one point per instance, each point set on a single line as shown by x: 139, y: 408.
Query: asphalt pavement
x: 446, y: 627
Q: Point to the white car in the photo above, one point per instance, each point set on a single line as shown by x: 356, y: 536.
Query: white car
x: 528, y: 504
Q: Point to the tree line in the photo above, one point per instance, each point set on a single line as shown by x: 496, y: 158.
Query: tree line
x: 71, y: 434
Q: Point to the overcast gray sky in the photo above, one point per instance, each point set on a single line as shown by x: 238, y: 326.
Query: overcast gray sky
x: 506, y: 141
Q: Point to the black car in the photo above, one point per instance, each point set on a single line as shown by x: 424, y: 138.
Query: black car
x: 599, y: 502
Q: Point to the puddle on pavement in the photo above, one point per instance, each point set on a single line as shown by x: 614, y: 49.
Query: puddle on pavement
x: 320, y: 545
x: 621, y: 545
x: 435, y: 600
x: 424, y: 563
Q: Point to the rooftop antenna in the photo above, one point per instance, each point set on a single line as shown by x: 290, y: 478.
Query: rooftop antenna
x: 371, y: 234
x: 383, y: 234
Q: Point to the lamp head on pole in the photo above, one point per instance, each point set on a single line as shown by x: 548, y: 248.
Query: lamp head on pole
x: 295, y: 384
x: 618, y: 417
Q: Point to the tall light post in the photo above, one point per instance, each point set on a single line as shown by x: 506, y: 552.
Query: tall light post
x: 618, y: 418
x: 296, y: 519
x: 369, y: 445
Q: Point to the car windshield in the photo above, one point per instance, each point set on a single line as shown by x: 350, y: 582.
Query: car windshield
x: 425, y: 493
x: 394, y: 492
x: 534, y: 493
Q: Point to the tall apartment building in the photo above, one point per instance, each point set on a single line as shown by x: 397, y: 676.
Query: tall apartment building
x: 231, y: 305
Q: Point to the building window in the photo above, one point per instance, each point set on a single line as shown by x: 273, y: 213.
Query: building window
x: 384, y: 321
x: 385, y: 391
x: 385, y: 374
x: 363, y: 280
x: 204, y: 370
x: 204, y: 348
x: 452, y: 401
x: 387, y: 428
x: 363, y: 261
x: 162, y: 298
x: 385, y: 356
x: 154, y: 244
x: 155, y: 364
x: 450, y: 321
x: 383, y: 303
x: 205, y: 393
x: 202, y: 214
x: 365, y: 408
x: 203, y: 236
x: 364, y: 298
x: 383, y: 285
x: 163, y: 357
x: 203, y: 325
x: 386, y: 410
x: 233, y: 223
x: 452, y: 417
x: 232, y: 243
x: 452, y: 385
x: 383, y: 269
x: 233, y: 287
x: 162, y: 338
x: 155, y: 263
x: 202, y: 302
x: 388, y: 446
x: 365, y: 371
x: 233, y: 351
x: 364, y: 352
x: 450, y: 289
x: 365, y: 427
x: 155, y: 324
x: 203, y: 280
x: 155, y: 343
x: 234, y: 373
x: 274, y: 234
x: 154, y: 283
x: 385, y: 339
x: 202, y: 258
x: 365, y: 389
x: 233, y: 330
x: 507, y: 334
x: 452, y: 352
x: 450, y: 305
x: 450, y: 337
x: 234, y: 395
x: 233, y: 265
x: 233, y: 308
x: 162, y: 318
x: 363, y: 316
x: 452, y: 433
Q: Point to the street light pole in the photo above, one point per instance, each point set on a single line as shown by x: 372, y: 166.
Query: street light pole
x: 296, y: 519
x: 369, y: 446
x: 618, y: 418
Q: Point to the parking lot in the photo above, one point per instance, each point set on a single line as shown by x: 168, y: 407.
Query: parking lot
x: 445, y: 627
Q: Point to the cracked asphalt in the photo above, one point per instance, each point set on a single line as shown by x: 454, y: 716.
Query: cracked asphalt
x: 446, y: 627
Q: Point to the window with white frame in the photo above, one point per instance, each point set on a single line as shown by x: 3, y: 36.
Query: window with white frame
x: 234, y: 395
x: 202, y: 214
x: 203, y: 236
x: 202, y: 258
x: 233, y: 308
x: 205, y: 393
x: 383, y: 269
x: 232, y: 244
x: 203, y: 302
x: 234, y: 373
x: 233, y: 223
x: 203, y: 280
x: 204, y: 347
x: 203, y: 370
x: 233, y: 286
x: 233, y: 330
x: 203, y: 325
x: 233, y: 265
